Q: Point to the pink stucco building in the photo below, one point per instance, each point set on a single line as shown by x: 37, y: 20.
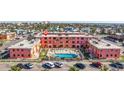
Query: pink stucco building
x: 25, y: 49
x: 65, y: 40
x: 103, y: 50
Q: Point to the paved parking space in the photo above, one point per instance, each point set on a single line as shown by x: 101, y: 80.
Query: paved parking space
x: 5, y: 66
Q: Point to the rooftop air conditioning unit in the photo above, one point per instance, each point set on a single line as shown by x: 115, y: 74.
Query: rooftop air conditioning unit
x: 21, y: 44
x: 108, y: 45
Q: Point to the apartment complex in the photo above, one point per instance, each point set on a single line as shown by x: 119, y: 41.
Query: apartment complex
x: 25, y: 49
x: 65, y: 40
x: 102, y: 49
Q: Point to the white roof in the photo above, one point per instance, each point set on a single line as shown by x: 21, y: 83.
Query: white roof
x: 67, y: 34
x: 25, y: 44
x: 119, y: 33
x: 102, y: 44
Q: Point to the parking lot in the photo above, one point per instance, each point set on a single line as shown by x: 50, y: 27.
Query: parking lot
x: 6, y: 66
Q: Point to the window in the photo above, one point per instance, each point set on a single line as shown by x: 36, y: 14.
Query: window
x: 100, y: 55
x: 45, y: 38
x: 115, y: 55
x: 61, y: 46
x: 28, y: 55
x: 66, y: 37
x: 66, y: 45
x: 49, y: 37
x: 77, y: 37
x: 82, y: 38
x: 111, y: 55
x: 73, y: 46
x: 73, y: 37
x: 54, y: 46
x: 22, y: 55
x: 14, y: 55
x: 77, y: 41
x: 73, y: 41
x: 21, y: 49
x: 77, y: 46
x: 54, y: 38
x: 107, y: 55
x: 66, y: 41
x: 60, y: 37
x: 17, y: 49
x: 18, y: 55
x: 49, y: 46
x: 13, y: 49
x: 45, y: 41
x: 81, y: 45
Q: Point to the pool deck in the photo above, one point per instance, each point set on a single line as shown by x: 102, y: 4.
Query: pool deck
x: 51, y: 52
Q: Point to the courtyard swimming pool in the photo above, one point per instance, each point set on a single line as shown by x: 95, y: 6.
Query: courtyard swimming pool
x: 66, y: 55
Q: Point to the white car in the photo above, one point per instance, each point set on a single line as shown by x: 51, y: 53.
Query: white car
x: 48, y: 65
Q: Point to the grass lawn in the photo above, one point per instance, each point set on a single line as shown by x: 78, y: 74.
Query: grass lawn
x: 122, y: 58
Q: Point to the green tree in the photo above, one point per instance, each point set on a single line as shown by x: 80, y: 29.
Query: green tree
x: 73, y: 69
x: 104, y: 68
x: 15, y: 68
x: 1, y: 44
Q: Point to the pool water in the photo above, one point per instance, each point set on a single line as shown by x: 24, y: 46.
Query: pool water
x: 66, y: 55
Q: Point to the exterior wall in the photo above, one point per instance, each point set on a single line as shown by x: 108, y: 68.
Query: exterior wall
x: 104, y: 53
x: 64, y: 42
x: 35, y: 51
x: 25, y: 53
x: 20, y: 53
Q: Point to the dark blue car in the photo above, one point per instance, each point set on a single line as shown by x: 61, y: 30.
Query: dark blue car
x: 117, y: 65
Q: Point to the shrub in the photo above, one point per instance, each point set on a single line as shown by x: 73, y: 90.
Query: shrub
x: 15, y: 68
x: 73, y: 69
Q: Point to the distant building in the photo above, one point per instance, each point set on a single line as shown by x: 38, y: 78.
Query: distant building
x: 98, y: 30
x: 21, y: 31
x: 86, y: 29
x: 117, y: 36
x: 7, y: 36
x: 25, y: 49
x: 101, y: 49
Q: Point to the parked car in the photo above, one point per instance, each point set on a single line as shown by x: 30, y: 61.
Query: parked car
x: 96, y: 64
x: 117, y: 65
x: 79, y: 65
x: 28, y: 66
x: 58, y: 64
x: 123, y: 52
x: 113, y: 69
x: 20, y: 65
x: 17, y: 38
x: 48, y: 65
